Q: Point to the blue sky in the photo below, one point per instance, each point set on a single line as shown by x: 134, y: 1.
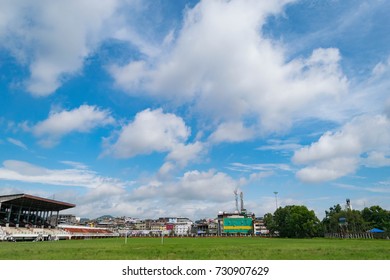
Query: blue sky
x: 164, y: 108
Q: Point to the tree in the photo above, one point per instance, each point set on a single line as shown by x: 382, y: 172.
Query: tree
x: 376, y: 217
x: 354, y: 221
x: 330, y: 222
x: 333, y: 210
x: 270, y: 223
x: 295, y: 221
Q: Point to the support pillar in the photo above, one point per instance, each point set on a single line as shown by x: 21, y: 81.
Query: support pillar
x: 51, y: 217
x: 36, y: 217
x: 46, y: 217
x: 28, y: 215
x: 58, y: 213
x: 19, y: 214
x: 9, y: 214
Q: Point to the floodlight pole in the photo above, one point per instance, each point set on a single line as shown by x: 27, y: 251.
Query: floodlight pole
x: 276, y: 200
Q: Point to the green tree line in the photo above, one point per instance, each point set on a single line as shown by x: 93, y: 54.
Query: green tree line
x: 296, y: 221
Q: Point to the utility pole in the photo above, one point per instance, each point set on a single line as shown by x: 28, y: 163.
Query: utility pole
x: 276, y: 200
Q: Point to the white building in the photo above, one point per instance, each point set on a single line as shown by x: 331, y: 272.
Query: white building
x: 182, y: 226
x: 259, y: 227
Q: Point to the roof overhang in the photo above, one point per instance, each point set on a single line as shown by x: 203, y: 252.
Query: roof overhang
x: 31, y: 202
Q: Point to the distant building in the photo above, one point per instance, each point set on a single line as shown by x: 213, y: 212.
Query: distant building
x: 140, y: 225
x: 157, y: 226
x: 68, y: 219
x: 182, y: 228
x: 204, y: 227
x: 169, y: 226
x: 200, y: 227
x: 259, y: 227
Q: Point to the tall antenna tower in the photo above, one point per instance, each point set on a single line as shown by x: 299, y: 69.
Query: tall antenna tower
x: 242, y: 201
x: 276, y: 200
x: 236, y: 197
x: 348, y: 205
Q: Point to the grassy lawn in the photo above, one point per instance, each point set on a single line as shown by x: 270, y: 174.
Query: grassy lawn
x: 198, y: 249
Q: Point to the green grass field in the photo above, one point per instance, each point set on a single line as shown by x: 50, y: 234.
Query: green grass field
x: 198, y: 249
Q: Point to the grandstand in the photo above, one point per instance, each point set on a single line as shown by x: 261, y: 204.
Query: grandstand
x: 21, y: 210
x: 82, y: 232
x: 24, y: 217
x: 32, y: 234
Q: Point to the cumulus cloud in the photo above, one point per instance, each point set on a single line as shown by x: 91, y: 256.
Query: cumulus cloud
x: 193, y: 185
x: 92, y: 193
x: 53, y: 38
x: 222, y: 64
x: 377, y: 159
x: 179, y: 196
x: 182, y: 154
x: 151, y: 130
x: 232, y: 132
x: 58, y: 124
x: 22, y: 171
x: 182, y: 195
x: 363, y: 141
x: 156, y: 131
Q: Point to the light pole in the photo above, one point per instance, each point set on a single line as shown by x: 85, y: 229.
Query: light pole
x: 276, y: 200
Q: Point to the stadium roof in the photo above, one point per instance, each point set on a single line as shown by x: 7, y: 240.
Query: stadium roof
x: 35, y: 202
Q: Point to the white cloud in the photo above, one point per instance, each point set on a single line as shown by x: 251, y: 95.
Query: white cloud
x: 193, y: 185
x: 166, y: 169
x: 17, y: 142
x: 182, y: 154
x: 58, y: 124
x: 52, y: 37
x: 75, y: 164
x: 377, y: 159
x: 371, y: 95
x: 175, y: 197
x: 132, y: 74
x: 327, y: 170
x: 210, y: 185
x: 221, y: 64
x: 149, y: 132
x: 258, y: 171
x: 232, y: 132
x: 241, y: 167
x: 363, y: 141
x: 156, y: 131
x: 280, y: 145
x: 14, y: 170
x: 381, y: 69
x: 98, y: 195
x: 128, y: 33
x: 379, y: 188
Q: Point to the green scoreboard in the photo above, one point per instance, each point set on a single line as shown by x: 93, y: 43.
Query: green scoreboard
x: 237, y: 225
